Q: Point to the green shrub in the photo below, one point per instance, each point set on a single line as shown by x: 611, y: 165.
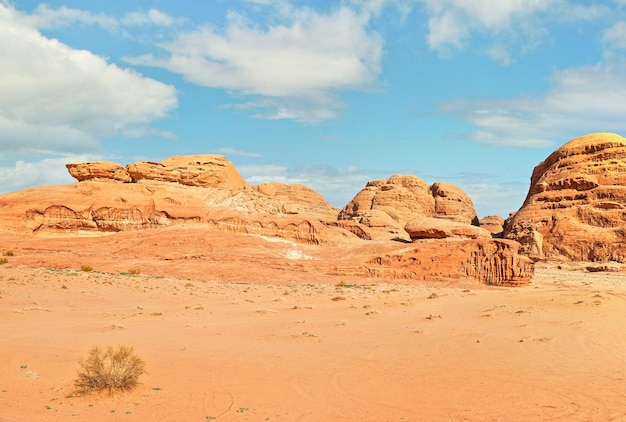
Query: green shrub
x: 114, y: 370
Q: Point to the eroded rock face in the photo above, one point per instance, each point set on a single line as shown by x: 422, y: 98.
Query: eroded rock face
x: 205, y: 170
x: 576, y: 205
x: 99, y: 170
x: 487, y: 261
x: 492, y: 223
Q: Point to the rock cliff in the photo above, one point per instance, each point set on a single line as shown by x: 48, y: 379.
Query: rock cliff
x: 576, y: 204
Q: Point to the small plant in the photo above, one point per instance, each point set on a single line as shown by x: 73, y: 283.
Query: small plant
x: 113, y: 370
x: 3, y: 260
x: 134, y: 271
x: 8, y: 253
x: 86, y: 268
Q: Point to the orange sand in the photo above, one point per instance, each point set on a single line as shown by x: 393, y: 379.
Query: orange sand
x: 297, y: 349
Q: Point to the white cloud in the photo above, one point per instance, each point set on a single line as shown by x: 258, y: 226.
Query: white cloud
x: 49, y: 171
x: 580, y: 100
x: 337, y: 185
x: 614, y: 38
x: 231, y: 151
x: 522, y: 23
x: 44, y: 17
x: 151, y: 17
x: 56, y: 99
x: 287, y: 70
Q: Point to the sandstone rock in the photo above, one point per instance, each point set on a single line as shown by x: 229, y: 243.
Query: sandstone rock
x: 437, y: 228
x: 576, y: 205
x: 487, y: 261
x: 206, y: 170
x: 400, y: 197
x: 99, y: 170
x: 493, y: 224
x: 452, y: 203
x: 296, y: 199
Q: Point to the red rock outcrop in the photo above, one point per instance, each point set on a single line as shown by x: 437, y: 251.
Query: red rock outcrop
x: 205, y: 170
x: 487, y: 261
x: 576, y: 205
x: 205, y: 194
x: 99, y: 170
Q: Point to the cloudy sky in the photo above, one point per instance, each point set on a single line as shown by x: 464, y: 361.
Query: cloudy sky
x: 326, y: 93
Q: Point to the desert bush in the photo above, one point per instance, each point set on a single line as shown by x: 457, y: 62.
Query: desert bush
x: 113, y: 370
x: 86, y: 268
x: 8, y: 253
x: 134, y: 271
x: 3, y: 260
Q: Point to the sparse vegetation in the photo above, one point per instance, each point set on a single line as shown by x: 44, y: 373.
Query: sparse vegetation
x: 113, y: 370
x: 86, y: 268
x: 3, y: 260
x: 134, y: 271
x: 8, y: 253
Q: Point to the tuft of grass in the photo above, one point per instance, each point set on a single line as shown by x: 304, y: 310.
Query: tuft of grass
x: 3, y: 260
x: 8, y: 253
x: 113, y: 370
x: 86, y: 268
x: 134, y: 271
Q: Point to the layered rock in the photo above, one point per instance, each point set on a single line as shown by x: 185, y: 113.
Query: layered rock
x: 487, y: 261
x: 205, y: 170
x: 99, y: 170
x: 576, y: 205
x: 492, y: 223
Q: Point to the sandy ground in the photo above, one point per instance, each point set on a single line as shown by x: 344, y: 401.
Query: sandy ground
x: 316, y: 352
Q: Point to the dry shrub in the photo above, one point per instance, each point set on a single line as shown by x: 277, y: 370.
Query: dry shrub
x: 86, y: 268
x: 114, y: 370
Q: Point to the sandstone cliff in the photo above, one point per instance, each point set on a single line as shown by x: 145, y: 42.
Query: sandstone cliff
x: 576, y: 205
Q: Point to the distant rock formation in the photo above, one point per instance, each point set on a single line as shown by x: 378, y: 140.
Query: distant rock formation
x: 206, y: 170
x: 205, y: 192
x: 576, y: 205
x: 493, y: 223
x: 393, y: 202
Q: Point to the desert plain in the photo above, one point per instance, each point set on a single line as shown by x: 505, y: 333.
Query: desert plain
x: 240, y: 327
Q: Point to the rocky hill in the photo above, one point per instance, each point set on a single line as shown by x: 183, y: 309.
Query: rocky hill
x: 369, y: 238
x: 576, y: 205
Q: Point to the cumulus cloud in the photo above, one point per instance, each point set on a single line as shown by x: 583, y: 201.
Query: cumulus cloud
x: 56, y: 99
x: 287, y: 70
x: 580, y: 100
x: 48, y: 171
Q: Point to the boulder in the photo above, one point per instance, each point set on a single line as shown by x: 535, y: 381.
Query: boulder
x: 576, y: 204
x: 99, y: 170
x: 437, y: 228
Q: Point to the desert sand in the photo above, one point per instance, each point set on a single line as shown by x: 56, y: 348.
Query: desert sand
x: 243, y: 328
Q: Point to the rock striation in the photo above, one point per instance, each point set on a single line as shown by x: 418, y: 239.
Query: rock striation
x: 576, y: 204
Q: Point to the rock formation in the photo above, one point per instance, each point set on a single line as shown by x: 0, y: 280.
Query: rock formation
x: 390, y: 204
x: 206, y: 194
x: 576, y: 205
x: 99, y: 170
x: 493, y: 223
x: 488, y: 261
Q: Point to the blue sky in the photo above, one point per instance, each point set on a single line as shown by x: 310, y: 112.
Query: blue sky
x: 329, y: 94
